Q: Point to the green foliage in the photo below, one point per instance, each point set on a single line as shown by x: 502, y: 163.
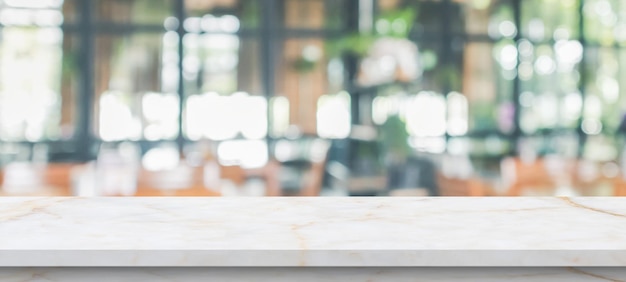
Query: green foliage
x: 449, y: 75
x: 396, y: 23
x: 394, y: 137
x: 483, y: 113
x: 250, y: 13
x: 69, y: 65
x: 355, y: 44
x: 399, y: 22
x: 303, y: 65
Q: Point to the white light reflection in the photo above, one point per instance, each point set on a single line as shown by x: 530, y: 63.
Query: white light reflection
x: 383, y: 26
x: 380, y: 110
x: 561, y: 33
x: 568, y: 53
x: 229, y: 23
x: 48, y: 18
x: 30, y: 100
x: 245, y: 153
x: 457, y: 114
x: 435, y: 145
x: 333, y: 116
x: 34, y: 4
x: 253, y: 117
x: 507, y: 57
x: 593, y: 107
x: 459, y: 146
x: 16, y: 17
x: 507, y: 29
x: 591, y: 126
x: 546, y: 105
x: 219, y: 117
x: 609, y: 87
x: 280, y: 115
x: 161, y: 158
x: 171, y: 23
x: 217, y: 110
x: 161, y: 115
x: 536, y: 29
x: 193, y: 24
x: 116, y: 121
x: 545, y: 65
x: 210, y: 23
x: 526, y: 71
x: 426, y: 115
x: 526, y: 99
x: 526, y: 48
x: 572, y: 105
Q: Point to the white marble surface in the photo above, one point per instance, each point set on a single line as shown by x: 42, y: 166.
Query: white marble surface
x: 316, y: 232
x: 311, y: 274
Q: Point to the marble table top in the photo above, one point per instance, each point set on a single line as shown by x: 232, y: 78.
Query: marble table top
x: 318, y: 232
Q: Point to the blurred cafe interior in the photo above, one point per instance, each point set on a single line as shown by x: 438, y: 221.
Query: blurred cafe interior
x: 312, y: 98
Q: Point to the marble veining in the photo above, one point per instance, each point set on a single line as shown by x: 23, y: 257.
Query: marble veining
x: 314, y: 232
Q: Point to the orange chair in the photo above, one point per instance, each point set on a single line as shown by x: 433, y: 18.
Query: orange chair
x: 527, y: 178
x: 619, y: 187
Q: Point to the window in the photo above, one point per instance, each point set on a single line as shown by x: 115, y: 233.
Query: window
x: 38, y: 73
x: 479, y: 76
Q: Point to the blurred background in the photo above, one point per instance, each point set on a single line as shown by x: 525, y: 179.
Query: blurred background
x: 312, y: 97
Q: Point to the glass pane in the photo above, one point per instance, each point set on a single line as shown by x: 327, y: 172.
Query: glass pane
x: 605, y: 21
x: 70, y: 8
x: 428, y: 18
x: 336, y: 13
x: 549, y: 78
x: 560, y: 144
x: 489, y: 70
x: 222, y: 63
x: 134, y: 11
x: 205, y: 12
x: 492, y: 145
x: 494, y: 18
x: 31, y: 13
x: 430, y: 62
x: 605, y: 104
x: 136, y: 84
x: 38, y: 74
x: 426, y: 15
x: 316, y: 14
x: 222, y: 83
x: 543, y: 20
x: 303, y: 74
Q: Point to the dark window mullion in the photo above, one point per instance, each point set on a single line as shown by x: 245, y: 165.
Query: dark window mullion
x: 517, y: 130
x: 446, y: 57
x: 179, y: 9
x: 115, y: 28
x: 582, y: 136
x: 309, y: 32
x: 268, y: 42
x: 84, y: 137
